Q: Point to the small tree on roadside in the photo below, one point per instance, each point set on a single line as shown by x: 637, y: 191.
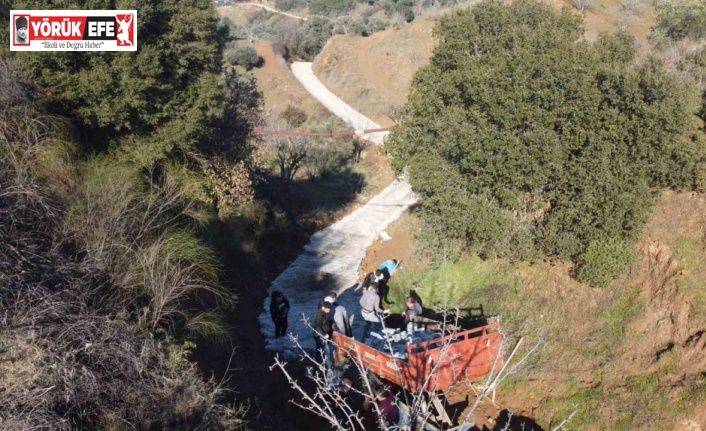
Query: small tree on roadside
x: 294, y: 116
x: 359, y: 145
x: 243, y: 55
x: 290, y: 153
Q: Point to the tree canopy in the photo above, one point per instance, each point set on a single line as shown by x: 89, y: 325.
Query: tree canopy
x: 168, y: 94
x: 522, y: 137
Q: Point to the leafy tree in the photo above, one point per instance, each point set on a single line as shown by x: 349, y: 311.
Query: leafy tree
x: 294, y: 116
x: 330, y: 7
x: 517, y: 131
x: 243, y: 55
x: 291, y: 152
x: 164, y: 96
x: 682, y: 21
x: 290, y: 4
x: 318, y: 30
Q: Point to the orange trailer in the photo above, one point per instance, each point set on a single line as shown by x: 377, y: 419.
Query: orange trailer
x: 432, y: 365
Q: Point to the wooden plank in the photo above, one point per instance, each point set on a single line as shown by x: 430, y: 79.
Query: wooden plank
x: 443, y: 416
x: 407, y: 412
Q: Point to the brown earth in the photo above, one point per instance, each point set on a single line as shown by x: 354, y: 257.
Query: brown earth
x: 400, y: 247
x: 241, y: 14
x: 281, y: 89
x: 373, y: 74
x: 640, y: 343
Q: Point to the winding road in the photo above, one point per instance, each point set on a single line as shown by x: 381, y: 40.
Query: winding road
x: 271, y: 9
x: 331, y: 259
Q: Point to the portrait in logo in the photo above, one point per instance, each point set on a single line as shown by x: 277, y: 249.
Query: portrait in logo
x: 21, y: 30
x: 125, y: 29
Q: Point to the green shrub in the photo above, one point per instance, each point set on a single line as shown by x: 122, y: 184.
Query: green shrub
x: 330, y: 7
x: 529, y: 113
x: 681, y: 21
x: 243, y: 55
x: 603, y: 261
x: 290, y: 4
x: 163, y: 96
x: 294, y: 116
x: 327, y: 155
x: 402, y: 7
x: 318, y: 31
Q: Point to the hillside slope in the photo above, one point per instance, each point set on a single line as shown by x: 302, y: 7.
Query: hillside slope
x: 374, y: 74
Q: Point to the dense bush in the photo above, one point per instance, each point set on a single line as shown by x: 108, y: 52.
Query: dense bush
x: 150, y: 102
x: 243, y: 55
x: 603, y: 260
x: 359, y: 25
x: 402, y: 8
x: 318, y: 31
x: 519, y: 131
x: 290, y: 4
x: 330, y: 7
x: 682, y: 21
x: 294, y: 116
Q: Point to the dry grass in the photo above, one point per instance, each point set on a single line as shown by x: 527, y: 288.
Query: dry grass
x: 374, y: 74
x: 64, y: 367
x: 142, y: 240
x: 70, y: 357
x: 240, y: 14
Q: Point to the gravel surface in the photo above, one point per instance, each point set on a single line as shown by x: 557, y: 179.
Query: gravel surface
x: 331, y: 259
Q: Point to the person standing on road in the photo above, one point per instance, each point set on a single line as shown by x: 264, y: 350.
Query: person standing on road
x: 279, y: 310
x: 322, y: 329
x: 371, y: 311
x: 338, y: 316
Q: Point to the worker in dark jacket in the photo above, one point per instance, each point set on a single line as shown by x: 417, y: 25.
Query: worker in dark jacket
x: 279, y: 310
x: 338, y: 316
x: 413, y: 310
x: 389, y: 415
x: 322, y: 331
x: 372, y: 277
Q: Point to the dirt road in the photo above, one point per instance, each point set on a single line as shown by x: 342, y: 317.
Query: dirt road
x: 271, y: 9
x: 331, y: 259
x: 305, y: 74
